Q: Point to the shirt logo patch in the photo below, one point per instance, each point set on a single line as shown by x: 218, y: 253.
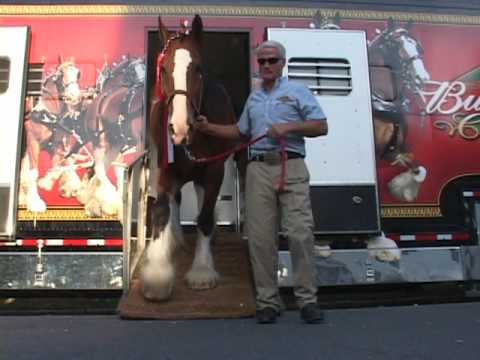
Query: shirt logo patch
x: 285, y: 99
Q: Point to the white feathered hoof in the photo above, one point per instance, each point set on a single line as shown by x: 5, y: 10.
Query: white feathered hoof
x: 384, y: 249
x: 110, y: 199
x: 93, y: 208
x: 70, y: 184
x: 35, y: 202
x: 202, y: 278
x: 157, y: 281
x: 323, y: 250
x: 406, y: 185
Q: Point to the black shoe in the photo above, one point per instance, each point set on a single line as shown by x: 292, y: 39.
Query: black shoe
x: 311, y: 314
x: 266, y: 315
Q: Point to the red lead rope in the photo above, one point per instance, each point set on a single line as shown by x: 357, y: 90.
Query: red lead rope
x: 224, y: 155
x: 161, y: 98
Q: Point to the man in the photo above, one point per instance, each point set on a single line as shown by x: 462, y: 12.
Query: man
x: 287, y: 112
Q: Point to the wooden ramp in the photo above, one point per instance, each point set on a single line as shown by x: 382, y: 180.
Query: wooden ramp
x: 232, y: 298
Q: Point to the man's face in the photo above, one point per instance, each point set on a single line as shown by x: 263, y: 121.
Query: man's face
x: 270, y: 64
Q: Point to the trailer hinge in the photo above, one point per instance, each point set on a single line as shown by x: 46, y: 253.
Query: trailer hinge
x: 369, y: 271
x: 39, y: 276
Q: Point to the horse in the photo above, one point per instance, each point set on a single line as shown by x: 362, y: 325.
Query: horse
x: 182, y: 92
x: 52, y: 123
x: 396, y: 49
x: 114, y: 122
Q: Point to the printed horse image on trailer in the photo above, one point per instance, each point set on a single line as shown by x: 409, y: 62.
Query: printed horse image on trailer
x: 114, y: 121
x: 394, y: 93
x: 396, y: 48
x: 182, y: 93
x: 83, y: 128
x: 53, y: 122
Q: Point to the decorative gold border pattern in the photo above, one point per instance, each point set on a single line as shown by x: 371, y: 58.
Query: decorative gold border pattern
x: 60, y: 214
x: 78, y: 214
x: 226, y: 10
x: 411, y: 211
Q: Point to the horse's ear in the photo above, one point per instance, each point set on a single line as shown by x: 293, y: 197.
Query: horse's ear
x: 337, y: 19
x: 197, y: 29
x: 391, y: 24
x: 317, y: 19
x: 409, y: 24
x: 162, y: 32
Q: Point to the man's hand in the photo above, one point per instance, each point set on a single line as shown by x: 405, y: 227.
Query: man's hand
x: 278, y: 130
x: 201, y: 124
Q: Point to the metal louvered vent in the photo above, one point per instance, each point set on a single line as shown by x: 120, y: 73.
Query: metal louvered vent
x: 34, y: 79
x: 4, y: 74
x: 322, y: 76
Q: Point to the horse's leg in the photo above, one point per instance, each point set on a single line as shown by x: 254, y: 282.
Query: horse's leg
x: 56, y: 170
x: 69, y: 182
x: 35, y: 133
x: 158, y: 273
x: 100, y: 195
x: 202, y: 274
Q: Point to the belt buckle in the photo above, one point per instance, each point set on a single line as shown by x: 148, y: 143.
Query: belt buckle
x: 272, y: 157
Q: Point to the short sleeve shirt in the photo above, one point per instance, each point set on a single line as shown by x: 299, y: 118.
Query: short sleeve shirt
x: 287, y: 101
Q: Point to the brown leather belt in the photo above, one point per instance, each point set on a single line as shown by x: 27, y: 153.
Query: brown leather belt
x: 264, y: 157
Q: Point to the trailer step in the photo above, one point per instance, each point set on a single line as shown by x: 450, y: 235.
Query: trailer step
x: 232, y: 298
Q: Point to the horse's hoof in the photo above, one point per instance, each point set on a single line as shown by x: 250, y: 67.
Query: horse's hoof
x: 110, y: 209
x: 154, y: 293
x: 37, y: 205
x: 202, y: 279
x: 45, y: 184
x: 93, y: 209
x: 157, y: 283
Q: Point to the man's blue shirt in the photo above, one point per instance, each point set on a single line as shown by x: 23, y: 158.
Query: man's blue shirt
x: 288, y: 101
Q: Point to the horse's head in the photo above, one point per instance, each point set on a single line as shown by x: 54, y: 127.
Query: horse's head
x: 402, y: 52
x: 66, y: 78
x: 179, y: 71
x: 129, y: 72
x: 324, y: 22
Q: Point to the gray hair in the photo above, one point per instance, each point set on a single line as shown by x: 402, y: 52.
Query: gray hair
x: 272, y: 44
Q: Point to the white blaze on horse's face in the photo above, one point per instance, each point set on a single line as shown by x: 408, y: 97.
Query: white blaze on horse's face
x: 72, y: 93
x: 409, y: 52
x: 179, y: 117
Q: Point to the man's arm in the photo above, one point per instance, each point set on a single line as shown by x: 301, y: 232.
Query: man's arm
x: 222, y: 131
x: 309, y: 128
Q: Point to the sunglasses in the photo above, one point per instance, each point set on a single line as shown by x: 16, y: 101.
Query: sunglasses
x: 270, y: 61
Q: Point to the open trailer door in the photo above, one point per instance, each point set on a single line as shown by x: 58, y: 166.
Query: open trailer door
x: 14, y: 44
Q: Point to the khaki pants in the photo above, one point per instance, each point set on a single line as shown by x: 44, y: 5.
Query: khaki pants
x: 266, y: 210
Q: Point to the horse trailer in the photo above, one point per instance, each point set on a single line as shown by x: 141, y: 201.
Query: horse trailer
x: 395, y: 185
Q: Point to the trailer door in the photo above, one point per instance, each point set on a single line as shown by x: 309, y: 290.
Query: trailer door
x: 334, y: 65
x: 14, y: 43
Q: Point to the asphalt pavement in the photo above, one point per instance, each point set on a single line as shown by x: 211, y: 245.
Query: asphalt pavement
x: 447, y: 331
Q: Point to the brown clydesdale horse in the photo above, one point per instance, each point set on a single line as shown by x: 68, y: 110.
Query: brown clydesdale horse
x: 183, y: 92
